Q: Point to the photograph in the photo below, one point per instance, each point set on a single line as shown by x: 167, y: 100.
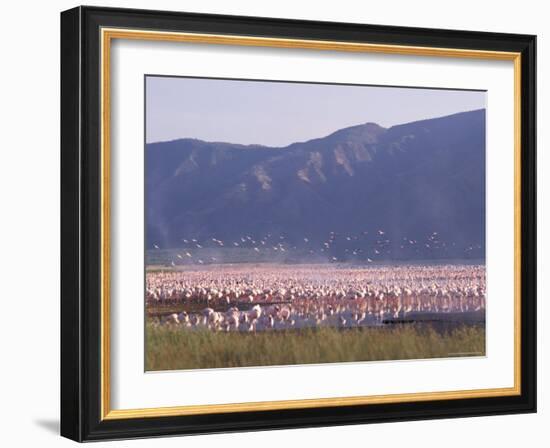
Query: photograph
x: 291, y: 223
x: 283, y: 221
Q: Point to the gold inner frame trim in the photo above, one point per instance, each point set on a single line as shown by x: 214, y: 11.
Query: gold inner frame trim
x: 107, y: 35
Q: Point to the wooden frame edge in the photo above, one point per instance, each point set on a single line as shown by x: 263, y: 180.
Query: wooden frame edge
x: 107, y: 34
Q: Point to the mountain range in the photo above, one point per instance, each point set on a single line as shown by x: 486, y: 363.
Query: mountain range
x: 418, y: 184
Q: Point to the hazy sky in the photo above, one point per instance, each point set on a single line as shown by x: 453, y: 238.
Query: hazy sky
x: 279, y: 113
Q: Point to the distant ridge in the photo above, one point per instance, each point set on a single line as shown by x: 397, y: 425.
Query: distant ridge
x: 409, y: 180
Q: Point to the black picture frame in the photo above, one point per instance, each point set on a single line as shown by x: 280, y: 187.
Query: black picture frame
x: 81, y: 224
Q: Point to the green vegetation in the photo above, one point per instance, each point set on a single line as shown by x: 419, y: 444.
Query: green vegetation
x: 169, y: 348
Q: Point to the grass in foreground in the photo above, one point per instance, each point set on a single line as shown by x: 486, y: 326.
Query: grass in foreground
x: 172, y: 348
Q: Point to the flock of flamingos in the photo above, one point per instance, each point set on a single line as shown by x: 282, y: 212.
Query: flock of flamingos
x: 365, y: 246
x: 263, y: 297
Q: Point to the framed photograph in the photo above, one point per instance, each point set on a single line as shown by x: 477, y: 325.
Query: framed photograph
x: 273, y: 223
